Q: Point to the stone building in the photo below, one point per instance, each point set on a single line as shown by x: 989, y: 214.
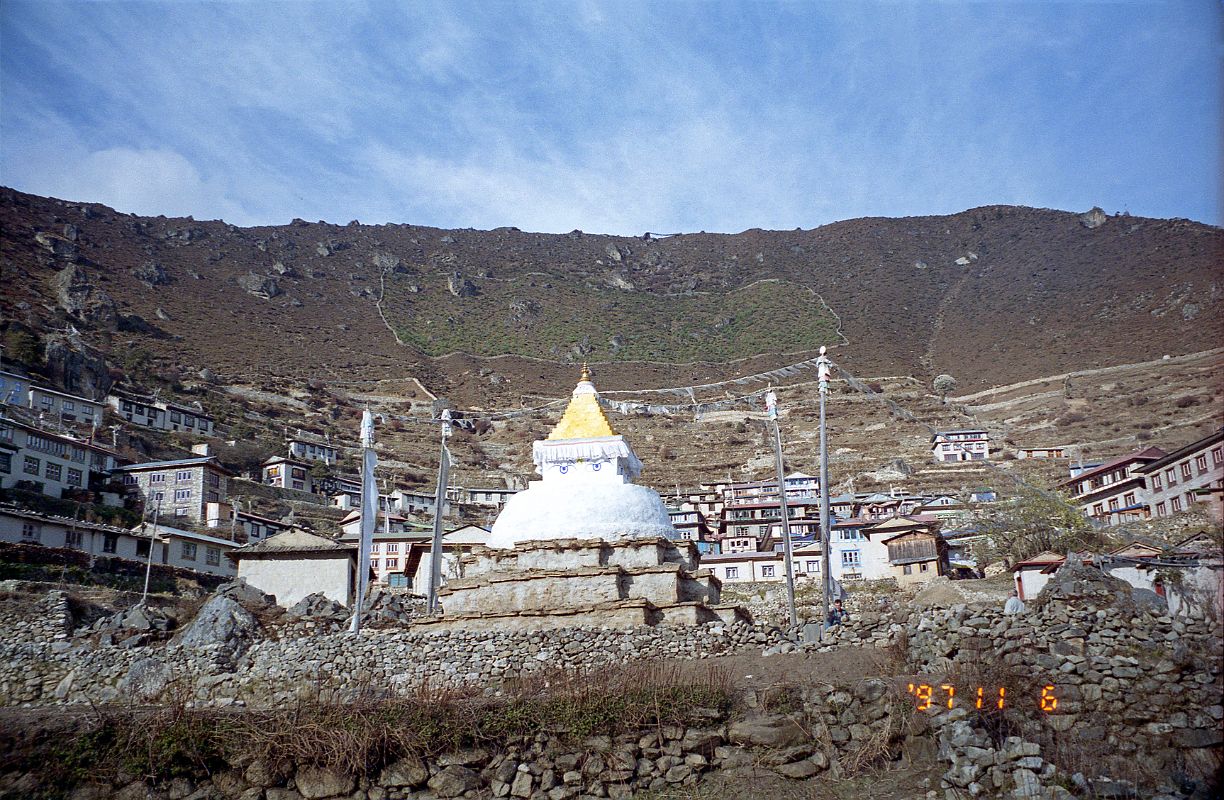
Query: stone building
x: 183, y: 487
x: 296, y: 563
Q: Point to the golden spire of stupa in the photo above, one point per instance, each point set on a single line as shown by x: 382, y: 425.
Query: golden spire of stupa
x: 583, y: 417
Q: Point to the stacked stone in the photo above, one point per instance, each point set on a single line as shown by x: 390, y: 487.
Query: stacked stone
x: 1015, y: 769
x: 271, y: 671
x: 826, y: 722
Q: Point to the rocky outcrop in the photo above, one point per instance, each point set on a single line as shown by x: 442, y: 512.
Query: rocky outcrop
x: 76, y: 366
x: 264, y: 286
x: 82, y: 299
x: 460, y: 286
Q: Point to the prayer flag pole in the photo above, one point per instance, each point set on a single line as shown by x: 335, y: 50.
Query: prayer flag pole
x: 369, y: 515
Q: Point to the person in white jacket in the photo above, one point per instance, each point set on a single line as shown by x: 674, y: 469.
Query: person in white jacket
x: 1014, y: 604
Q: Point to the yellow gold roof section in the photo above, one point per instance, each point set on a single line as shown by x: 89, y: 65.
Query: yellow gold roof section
x: 583, y: 417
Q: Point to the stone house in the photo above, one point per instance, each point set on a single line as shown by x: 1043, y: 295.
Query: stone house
x: 296, y: 563
x: 183, y: 487
x: 1182, y: 479
x: 1032, y: 574
x: 65, y: 409
x: 14, y: 389
x: 150, y: 412
x: 51, y: 463
x: 22, y: 526
x: 746, y: 567
x: 185, y: 549
x: 172, y: 547
x: 1114, y: 491
x: 495, y: 497
x: 1041, y: 452
x: 916, y: 556
x: 246, y: 526
x: 303, y: 447
x: 962, y: 445
x: 286, y: 473
x: 691, y: 526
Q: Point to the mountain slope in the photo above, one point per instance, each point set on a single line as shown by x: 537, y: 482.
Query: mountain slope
x: 991, y: 295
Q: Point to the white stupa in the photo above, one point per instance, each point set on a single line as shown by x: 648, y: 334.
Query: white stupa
x: 587, y: 489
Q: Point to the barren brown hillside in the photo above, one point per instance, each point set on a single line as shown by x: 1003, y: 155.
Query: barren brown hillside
x: 991, y: 295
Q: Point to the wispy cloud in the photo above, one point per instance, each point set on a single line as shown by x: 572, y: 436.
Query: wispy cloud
x: 611, y: 117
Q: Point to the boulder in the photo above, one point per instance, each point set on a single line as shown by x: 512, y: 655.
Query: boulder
x: 151, y: 274
x: 146, y: 679
x: 264, y: 286
x: 220, y: 621
x: 454, y: 781
x: 81, y: 299
x: 767, y: 731
x: 314, y: 783
x: 408, y: 771
x: 318, y: 605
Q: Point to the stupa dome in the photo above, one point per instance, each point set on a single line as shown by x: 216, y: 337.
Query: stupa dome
x: 586, y: 491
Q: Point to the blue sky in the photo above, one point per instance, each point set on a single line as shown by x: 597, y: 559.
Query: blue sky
x: 613, y: 117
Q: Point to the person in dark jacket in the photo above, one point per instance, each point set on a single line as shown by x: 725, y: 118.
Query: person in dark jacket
x: 837, y: 614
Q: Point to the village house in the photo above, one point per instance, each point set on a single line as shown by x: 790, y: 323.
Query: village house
x: 1032, y: 574
x: 387, y: 521
x: 691, y: 526
x: 151, y: 412
x: 962, y: 445
x: 287, y: 473
x: 746, y: 567
x: 181, y: 488
x: 185, y: 549
x: 65, y: 409
x: 1041, y: 452
x: 304, y: 447
x: 916, y: 556
x: 245, y: 525
x: 14, y: 389
x: 488, y: 497
x: 49, y: 463
x: 1186, y: 477
x: 400, y: 558
x: 297, y: 563
x: 1113, y: 492
x: 172, y: 547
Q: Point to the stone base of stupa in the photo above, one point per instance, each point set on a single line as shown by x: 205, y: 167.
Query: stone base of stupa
x: 560, y: 583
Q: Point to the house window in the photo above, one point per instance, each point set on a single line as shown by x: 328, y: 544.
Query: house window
x: 392, y: 563
x: 31, y: 531
x: 813, y: 565
x: 110, y: 543
x: 1185, y: 471
x: 54, y: 472
x: 176, y: 416
x: 923, y: 567
x: 180, y: 512
x: 1129, y: 499
x: 183, y: 475
x: 213, y: 497
x: 31, y: 465
x: 6, y: 463
x: 732, y: 573
x: 273, y: 472
x: 908, y: 569
x: 127, y: 406
x: 392, y: 547
x: 1170, y: 477
x: 188, y: 551
x: 214, y: 479
x: 74, y: 477
x: 189, y: 421
x: 850, y: 558
x: 129, y: 480
x: 142, y: 548
x: 1098, y: 510
x: 1156, y: 482
x: 157, y: 477
x: 182, y: 494
x: 767, y: 571
x: 1200, y: 463
x: 374, y: 562
x: 47, y: 402
x: 73, y: 539
x: 159, y: 496
x: 1160, y: 509
x: 255, y: 530
x: 69, y: 405
x: 375, y: 548
x: 212, y: 557
x: 1175, y: 504
x: 1217, y: 456
x: 1113, y: 504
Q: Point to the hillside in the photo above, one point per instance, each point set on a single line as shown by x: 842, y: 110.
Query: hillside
x: 991, y: 295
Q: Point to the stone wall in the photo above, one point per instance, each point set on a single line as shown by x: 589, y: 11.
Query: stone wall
x: 32, y: 670
x: 821, y: 730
